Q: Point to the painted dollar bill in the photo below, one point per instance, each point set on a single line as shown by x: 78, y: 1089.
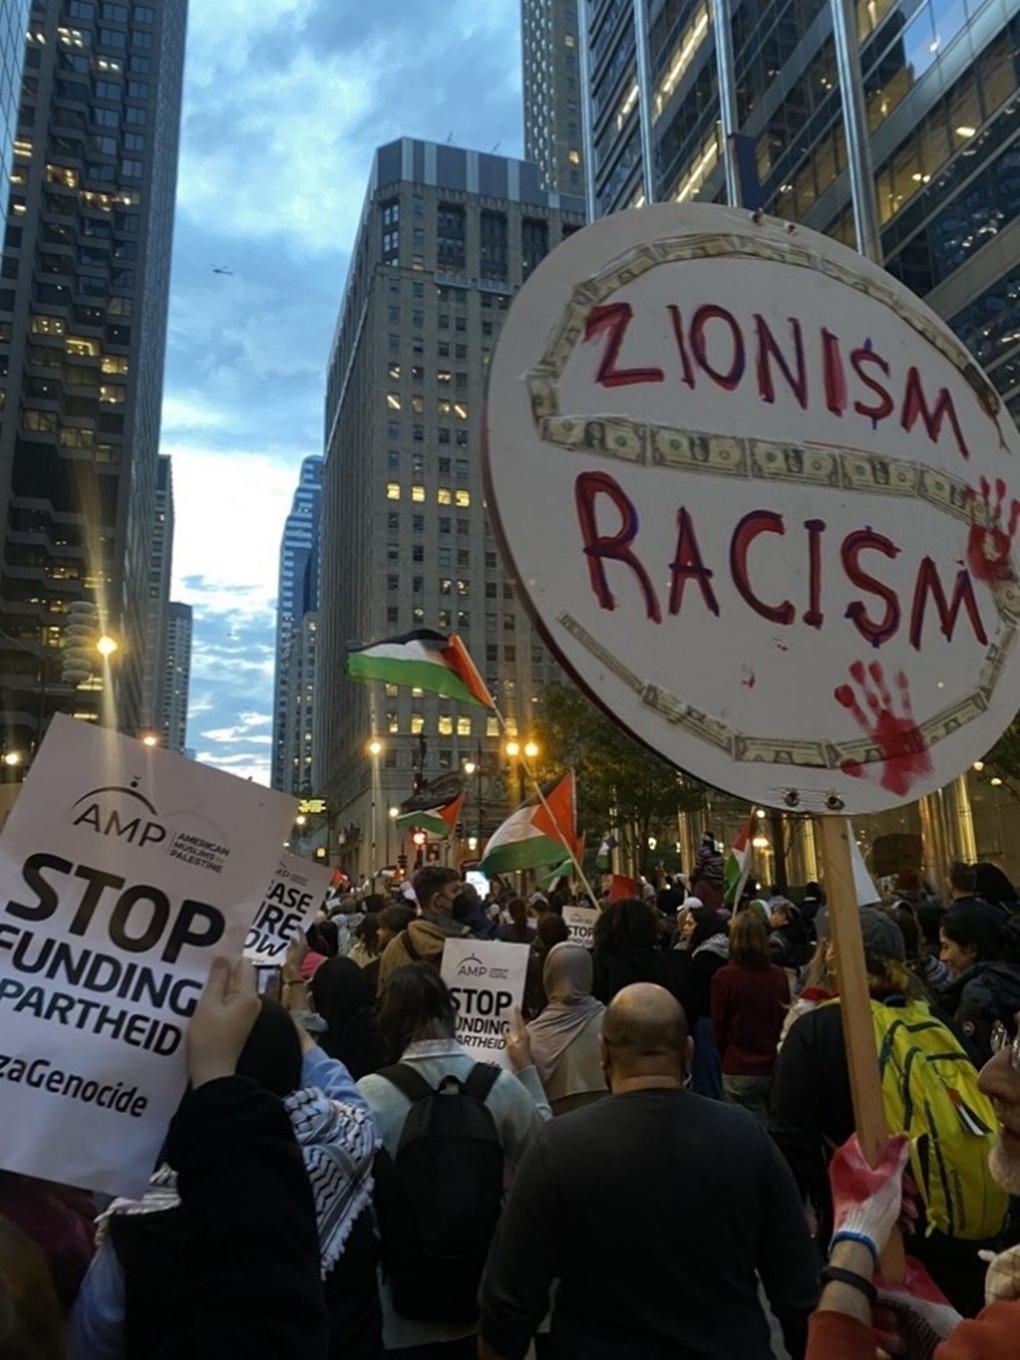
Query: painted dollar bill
x: 952, y: 718
x: 793, y: 463
x: 699, y: 724
x: 542, y: 391
x: 872, y: 472
x: 946, y: 493
x: 602, y: 654
x: 782, y: 751
x: 696, y: 452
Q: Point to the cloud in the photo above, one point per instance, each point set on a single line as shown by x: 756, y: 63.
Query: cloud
x: 285, y: 103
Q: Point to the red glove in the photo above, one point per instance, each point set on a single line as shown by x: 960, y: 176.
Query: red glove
x: 912, y: 1318
x: 865, y: 1200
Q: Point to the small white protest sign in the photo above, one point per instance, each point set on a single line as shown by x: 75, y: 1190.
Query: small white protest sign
x: 580, y: 921
x: 486, y: 980
x: 735, y: 442
x: 124, y: 870
x: 296, y: 893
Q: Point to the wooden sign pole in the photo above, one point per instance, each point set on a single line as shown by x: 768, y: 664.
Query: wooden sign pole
x: 858, y: 1033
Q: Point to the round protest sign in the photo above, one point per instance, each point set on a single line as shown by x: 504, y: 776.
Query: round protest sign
x: 761, y: 503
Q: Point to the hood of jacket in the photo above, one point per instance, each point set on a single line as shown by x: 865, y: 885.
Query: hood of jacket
x: 427, y: 938
x: 995, y: 986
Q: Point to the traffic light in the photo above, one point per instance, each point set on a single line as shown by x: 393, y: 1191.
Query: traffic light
x: 402, y: 861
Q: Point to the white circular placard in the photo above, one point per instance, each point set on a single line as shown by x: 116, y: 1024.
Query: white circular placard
x: 762, y: 504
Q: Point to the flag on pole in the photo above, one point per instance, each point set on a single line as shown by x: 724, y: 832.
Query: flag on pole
x: 604, y: 858
x: 562, y: 870
x: 440, y: 818
x: 623, y: 887
x: 425, y: 659
x: 534, y: 835
x: 738, y: 864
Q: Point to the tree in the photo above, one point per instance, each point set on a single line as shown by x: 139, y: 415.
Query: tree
x: 1002, y: 763
x: 620, y: 783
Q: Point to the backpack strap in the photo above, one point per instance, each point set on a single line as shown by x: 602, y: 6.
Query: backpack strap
x: 480, y: 1081
x: 407, y: 1081
x: 405, y: 940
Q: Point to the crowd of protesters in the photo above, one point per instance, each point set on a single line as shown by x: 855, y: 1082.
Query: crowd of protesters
x: 667, y: 1159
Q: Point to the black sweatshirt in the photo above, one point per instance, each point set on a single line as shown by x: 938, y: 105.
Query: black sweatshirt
x: 250, y: 1283
x: 654, y: 1210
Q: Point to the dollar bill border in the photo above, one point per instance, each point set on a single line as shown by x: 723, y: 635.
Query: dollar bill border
x: 794, y: 752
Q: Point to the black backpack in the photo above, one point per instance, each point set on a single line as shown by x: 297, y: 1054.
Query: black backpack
x: 439, y: 1199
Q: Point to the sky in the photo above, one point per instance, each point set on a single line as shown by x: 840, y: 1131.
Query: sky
x: 285, y: 102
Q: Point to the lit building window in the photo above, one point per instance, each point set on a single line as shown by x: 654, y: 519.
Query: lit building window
x: 463, y: 727
x: 112, y: 395
x: 395, y: 368
x: 393, y: 491
x: 445, y: 726
x: 392, y: 723
x: 417, y: 724
x: 112, y: 363
x: 393, y: 401
x: 417, y: 493
x: 463, y: 497
x: 444, y: 496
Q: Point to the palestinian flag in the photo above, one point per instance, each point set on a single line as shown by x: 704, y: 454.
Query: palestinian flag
x: 738, y: 863
x: 438, y: 818
x: 623, y: 888
x: 604, y: 858
x: 424, y: 659
x: 562, y: 870
x: 533, y: 836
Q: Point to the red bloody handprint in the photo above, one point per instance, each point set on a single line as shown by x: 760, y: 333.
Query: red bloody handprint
x: 904, y: 751
x: 990, y: 541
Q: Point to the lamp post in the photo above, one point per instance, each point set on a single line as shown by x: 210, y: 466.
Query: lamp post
x: 515, y: 750
x: 374, y: 750
x: 394, y: 814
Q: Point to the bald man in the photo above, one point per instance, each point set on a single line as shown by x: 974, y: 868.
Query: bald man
x: 656, y: 1210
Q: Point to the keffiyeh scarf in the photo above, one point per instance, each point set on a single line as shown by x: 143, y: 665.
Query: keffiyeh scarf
x: 338, y: 1144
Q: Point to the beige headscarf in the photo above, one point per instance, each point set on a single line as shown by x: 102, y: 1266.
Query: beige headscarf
x: 567, y: 977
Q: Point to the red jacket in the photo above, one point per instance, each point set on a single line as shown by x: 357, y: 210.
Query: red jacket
x: 748, y: 1009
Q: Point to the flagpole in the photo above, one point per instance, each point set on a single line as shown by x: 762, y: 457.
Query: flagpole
x: 568, y: 841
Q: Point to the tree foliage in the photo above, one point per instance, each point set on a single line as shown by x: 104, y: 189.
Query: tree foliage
x: 1003, y: 760
x: 620, y: 783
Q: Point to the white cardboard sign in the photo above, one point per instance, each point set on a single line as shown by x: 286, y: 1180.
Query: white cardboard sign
x: 762, y: 504
x: 124, y: 870
x: 580, y: 921
x: 486, y: 980
x: 296, y: 893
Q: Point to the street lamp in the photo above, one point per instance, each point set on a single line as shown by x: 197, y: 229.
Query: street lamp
x: 150, y: 739
x: 107, y: 645
x: 514, y: 750
x: 394, y: 814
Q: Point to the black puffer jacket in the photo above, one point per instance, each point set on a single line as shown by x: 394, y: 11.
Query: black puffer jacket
x: 980, y: 996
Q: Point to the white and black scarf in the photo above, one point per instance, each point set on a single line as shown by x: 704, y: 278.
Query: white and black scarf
x: 338, y: 1144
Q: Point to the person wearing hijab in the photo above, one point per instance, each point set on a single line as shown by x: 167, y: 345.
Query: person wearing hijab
x: 565, y: 1037
x: 344, y: 998
x: 132, y: 1293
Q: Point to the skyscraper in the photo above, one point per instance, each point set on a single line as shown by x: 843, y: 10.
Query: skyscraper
x: 160, y: 567
x: 177, y: 676
x: 13, y: 19
x: 941, y: 84
x: 446, y: 238
x: 298, y: 595
x: 83, y: 306
x: 553, y: 94
x: 299, y: 720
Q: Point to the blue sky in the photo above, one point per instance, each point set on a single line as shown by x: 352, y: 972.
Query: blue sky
x: 284, y: 104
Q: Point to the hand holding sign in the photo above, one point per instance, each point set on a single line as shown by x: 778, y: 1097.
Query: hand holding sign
x: 223, y: 1019
x: 518, y: 1043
